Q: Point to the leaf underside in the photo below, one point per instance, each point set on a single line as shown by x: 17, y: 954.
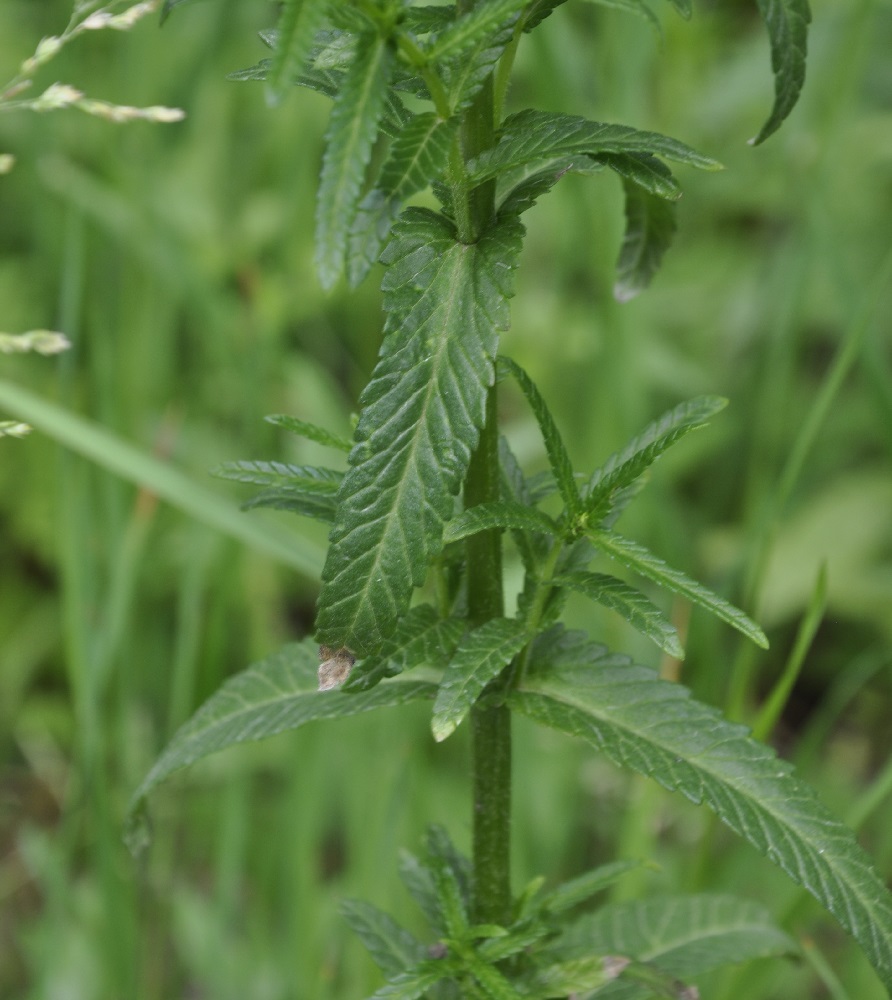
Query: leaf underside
x: 656, y: 728
x: 273, y: 696
x: 681, y: 935
x: 787, y: 23
x: 353, y: 126
x: 531, y: 136
x: 636, y: 557
x: 422, y: 412
x: 650, y: 228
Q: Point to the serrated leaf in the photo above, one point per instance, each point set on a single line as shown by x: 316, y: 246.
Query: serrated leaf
x: 299, y: 21
x: 555, y: 448
x: 622, y: 469
x: 275, y: 695
x: 530, y: 137
x: 493, y: 984
x: 650, y: 228
x: 639, y: 611
x: 466, y: 73
x: 310, y: 431
x: 463, y: 35
x: 281, y: 474
x: 428, y: 19
x: 423, y: 410
x: 787, y: 23
x: 518, y: 938
x: 583, y: 887
x: 415, y: 983
x: 641, y: 560
x: 537, y: 11
x: 569, y: 978
x: 391, y: 946
x: 519, y: 189
x: 329, y: 82
x: 306, y: 503
x: 422, y: 638
x: 654, y: 727
x: 684, y: 935
x: 644, y: 171
x: 501, y: 514
x: 256, y: 73
x: 516, y: 490
x: 353, y: 126
x: 441, y: 850
x: 417, y: 157
x: 480, y: 657
x: 451, y: 901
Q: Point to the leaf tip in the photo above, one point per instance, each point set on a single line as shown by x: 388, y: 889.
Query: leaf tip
x: 137, y: 833
x: 624, y: 292
x: 442, y: 728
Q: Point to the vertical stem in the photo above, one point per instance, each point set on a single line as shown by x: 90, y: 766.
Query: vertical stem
x: 490, y: 726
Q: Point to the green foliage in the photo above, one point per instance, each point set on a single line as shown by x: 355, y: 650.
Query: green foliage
x: 428, y: 429
x: 787, y: 22
x: 353, y: 127
x: 298, y: 23
x: 679, y: 936
x: 422, y: 414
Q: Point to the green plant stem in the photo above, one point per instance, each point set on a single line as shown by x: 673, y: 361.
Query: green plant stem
x: 490, y: 724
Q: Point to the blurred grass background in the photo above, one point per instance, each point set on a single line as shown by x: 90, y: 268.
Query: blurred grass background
x: 178, y: 259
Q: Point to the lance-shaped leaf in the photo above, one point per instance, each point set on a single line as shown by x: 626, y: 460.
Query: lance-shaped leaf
x: 641, y: 560
x: 570, y: 978
x: 422, y: 638
x: 329, y: 82
x: 415, y: 983
x: 391, y: 946
x: 462, y: 37
x: 533, y: 136
x: 519, y: 189
x: 787, y: 23
x: 654, y: 727
x: 639, y: 611
x: 583, y: 887
x: 532, y: 545
x: 537, y: 11
x: 277, y: 694
x: 555, y: 448
x: 465, y: 71
x: 625, y: 467
x: 645, y: 171
x: 650, y: 227
x: 501, y: 514
x: 302, y: 489
x: 353, y: 126
x: 299, y: 21
x: 493, y: 984
x: 682, y: 935
x: 480, y: 657
x: 310, y: 431
x: 422, y: 412
x: 417, y: 158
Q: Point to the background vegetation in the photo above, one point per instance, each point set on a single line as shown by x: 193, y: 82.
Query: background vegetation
x: 178, y: 259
